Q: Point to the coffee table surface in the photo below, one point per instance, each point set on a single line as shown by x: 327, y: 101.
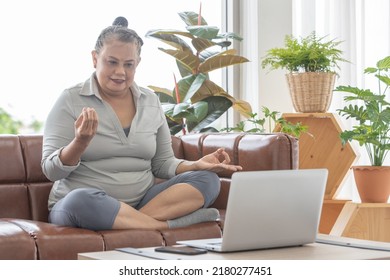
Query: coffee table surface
x: 314, y: 251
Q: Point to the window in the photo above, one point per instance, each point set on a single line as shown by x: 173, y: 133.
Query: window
x: 46, y: 46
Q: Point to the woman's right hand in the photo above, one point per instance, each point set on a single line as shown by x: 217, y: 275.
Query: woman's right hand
x: 86, y: 125
x: 85, y: 129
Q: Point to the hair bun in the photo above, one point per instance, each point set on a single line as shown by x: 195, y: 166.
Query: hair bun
x: 121, y: 21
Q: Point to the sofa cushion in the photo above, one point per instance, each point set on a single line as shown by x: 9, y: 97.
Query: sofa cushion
x: 221, y: 201
x: 15, y: 243
x: 61, y: 243
x: 38, y: 194
x: 177, y: 147
x: 32, y: 154
x: 11, y: 163
x: 14, y: 201
x: 135, y: 238
x: 267, y: 152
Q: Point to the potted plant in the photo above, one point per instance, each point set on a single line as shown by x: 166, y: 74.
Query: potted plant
x: 312, y: 63
x: 372, y: 115
x: 195, y: 101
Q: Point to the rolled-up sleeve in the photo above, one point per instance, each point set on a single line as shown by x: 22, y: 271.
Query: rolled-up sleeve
x: 54, y: 169
x: 58, y: 132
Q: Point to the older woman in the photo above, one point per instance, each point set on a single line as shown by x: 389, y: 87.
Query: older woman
x: 107, y: 146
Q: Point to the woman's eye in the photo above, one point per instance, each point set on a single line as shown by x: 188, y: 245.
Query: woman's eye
x: 112, y: 62
x: 129, y: 65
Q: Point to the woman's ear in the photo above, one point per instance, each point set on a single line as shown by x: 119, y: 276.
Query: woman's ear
x: 94, y: 58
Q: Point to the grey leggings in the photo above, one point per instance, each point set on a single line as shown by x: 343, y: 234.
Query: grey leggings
x: 93, y: 209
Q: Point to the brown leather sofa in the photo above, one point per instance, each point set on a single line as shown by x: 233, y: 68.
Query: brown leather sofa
x: 26, y: 234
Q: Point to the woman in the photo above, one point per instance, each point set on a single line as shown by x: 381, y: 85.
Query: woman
x: 107, y: 143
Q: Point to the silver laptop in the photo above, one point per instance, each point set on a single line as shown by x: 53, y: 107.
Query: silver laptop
x: 270, y: 209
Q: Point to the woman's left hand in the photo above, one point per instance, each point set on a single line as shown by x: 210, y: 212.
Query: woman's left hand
x: 216, y: 162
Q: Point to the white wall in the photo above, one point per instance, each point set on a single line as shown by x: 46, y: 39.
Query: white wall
x: 275, y: 21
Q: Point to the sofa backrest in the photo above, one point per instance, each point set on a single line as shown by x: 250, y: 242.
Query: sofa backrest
x: 24, y: 189
x: 252, y: 151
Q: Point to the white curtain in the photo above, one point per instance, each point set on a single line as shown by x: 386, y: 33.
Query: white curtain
x: 364, y: 28
x: 362, y: 25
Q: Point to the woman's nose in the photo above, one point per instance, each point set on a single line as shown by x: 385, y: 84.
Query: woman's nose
x: 120, y: 69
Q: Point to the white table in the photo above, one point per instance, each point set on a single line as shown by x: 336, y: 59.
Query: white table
x: 314, y: 251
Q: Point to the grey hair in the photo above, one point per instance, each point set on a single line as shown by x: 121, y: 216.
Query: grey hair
x: 118, y: 31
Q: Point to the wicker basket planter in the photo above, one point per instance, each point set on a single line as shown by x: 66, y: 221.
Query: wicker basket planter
x: 311, y: 92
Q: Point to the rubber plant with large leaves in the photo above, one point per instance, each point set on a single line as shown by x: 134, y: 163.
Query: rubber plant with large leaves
x: 195, y: 101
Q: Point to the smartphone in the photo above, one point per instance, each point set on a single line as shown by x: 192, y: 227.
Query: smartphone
x: 183, y: 250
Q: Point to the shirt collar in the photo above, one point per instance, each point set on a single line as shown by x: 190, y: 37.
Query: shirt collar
x: 91, y: 87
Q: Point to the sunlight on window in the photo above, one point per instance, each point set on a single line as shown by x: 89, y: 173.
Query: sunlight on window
x: 46, y: 45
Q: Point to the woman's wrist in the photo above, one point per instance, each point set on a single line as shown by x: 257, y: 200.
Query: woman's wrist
x: 186, y: 165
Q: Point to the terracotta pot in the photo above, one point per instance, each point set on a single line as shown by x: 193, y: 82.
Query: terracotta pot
x: 373, y: 183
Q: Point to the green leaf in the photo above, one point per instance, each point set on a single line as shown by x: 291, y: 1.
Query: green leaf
x: 383, y: 64
x: 220, y: 61
x: 195, y: 86
x: 190, y: 85
x: 216, y: 107
x: 230, y: 35
x: 197, y: 112
x: 184, y: 69
x: 191, y: 18
x: 241, y: 106
x: 204, y: 31
x: 208, y: 89
x: 370, y: 70
x: 168, y: 109
x: 384, y: 79
x: 161, y: 90
x: 224, y: 44
x: 169, y: 37
x: 165, y: 98
x: 175, y: 126
x: 183, y: 86
x: 179, y: 110
x: 201, y: 44
x: 205, y: 54
x: 187, y: 58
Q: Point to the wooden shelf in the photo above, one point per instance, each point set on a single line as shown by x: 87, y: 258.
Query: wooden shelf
x: 331, y: 210
x: 321, y: 148
x: 370, y: 221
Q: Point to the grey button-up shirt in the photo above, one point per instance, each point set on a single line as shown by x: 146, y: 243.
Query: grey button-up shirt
x: 122, y: 166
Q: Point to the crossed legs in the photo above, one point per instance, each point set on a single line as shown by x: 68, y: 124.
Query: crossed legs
x: 174, y: 203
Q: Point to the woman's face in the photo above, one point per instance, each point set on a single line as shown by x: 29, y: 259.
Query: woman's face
x: 115, y: 66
